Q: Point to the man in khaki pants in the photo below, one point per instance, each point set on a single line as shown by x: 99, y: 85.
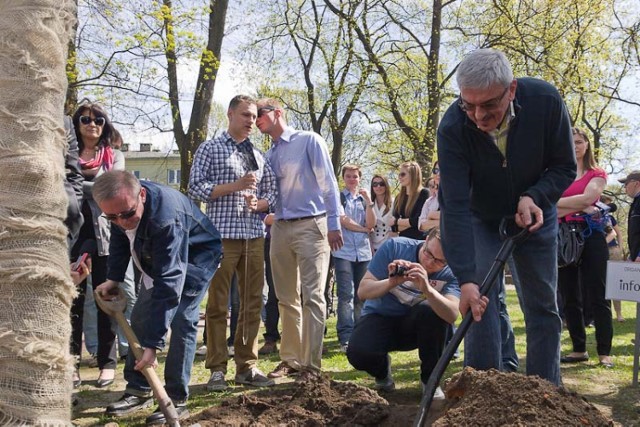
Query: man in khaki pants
x: 231, y: 176
x: 307, y: 215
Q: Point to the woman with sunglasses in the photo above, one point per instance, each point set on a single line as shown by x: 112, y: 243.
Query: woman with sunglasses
x: 408, y: 204
x: 95, y: 133
x: 382, y: 202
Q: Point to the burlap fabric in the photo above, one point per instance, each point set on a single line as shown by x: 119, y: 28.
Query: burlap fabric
x: 35, y: 287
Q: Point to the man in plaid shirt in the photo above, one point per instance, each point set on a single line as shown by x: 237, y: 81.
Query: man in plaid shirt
x: 231, y: 176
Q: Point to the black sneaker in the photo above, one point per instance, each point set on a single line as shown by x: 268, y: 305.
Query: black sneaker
x: 127, y: 404
x: 158, y: 417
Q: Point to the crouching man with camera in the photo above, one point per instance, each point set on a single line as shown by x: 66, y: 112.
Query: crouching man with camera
x: 410, y: 296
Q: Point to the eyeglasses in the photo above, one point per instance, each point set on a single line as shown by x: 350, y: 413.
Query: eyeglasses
x: 491, y: 104
x: 435, y: 171
x: 86, y: 120
x: 378, y: 184
x: 402, y: 174
x: 124, y: 215
x: 432, y: 257
x: 265, y: 110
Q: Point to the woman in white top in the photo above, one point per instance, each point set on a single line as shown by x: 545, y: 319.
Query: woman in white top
x: 382, y: 203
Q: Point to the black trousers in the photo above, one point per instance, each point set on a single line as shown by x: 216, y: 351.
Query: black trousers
x: 374, y: 336
x: 272, y: 313
x: 106, y: 328
x: 590, y: 275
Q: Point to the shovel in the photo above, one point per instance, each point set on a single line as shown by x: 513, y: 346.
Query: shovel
x: 115, y: 308
x: 507, y: 226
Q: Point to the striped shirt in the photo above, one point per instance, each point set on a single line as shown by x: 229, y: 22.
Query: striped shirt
x: 221, y: 161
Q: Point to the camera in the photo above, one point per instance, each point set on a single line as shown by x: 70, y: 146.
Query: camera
x: 401, y: 270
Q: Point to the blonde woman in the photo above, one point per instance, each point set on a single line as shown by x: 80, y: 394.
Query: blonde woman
x: 408, y: 204
x: 382, y: 202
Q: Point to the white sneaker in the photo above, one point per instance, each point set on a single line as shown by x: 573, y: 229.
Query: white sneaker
x: 231, y: 351
x: 201, y: 351
x: 344, y: 347
x: 437, y: 395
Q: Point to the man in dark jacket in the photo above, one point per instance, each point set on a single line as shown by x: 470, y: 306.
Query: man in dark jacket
x: 632, y: 188
x: 504, y: 148
x: 178, y: 250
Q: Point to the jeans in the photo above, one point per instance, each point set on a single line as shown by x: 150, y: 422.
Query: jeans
x: 590, y: 276
x: 375, y: 336
x: 234, y: 308
x: 182, y: 346
x: 535, y: 260
x: 128, y: 288
x: 510, y: 360
x: 272, y: 314
x: 90, y: 320
x: 348, y: 276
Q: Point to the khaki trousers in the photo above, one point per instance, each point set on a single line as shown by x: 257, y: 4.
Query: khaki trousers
x: 300, y: 261
x: 246, y: 259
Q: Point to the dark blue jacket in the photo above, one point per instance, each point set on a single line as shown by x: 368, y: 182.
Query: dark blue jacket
x: 178, y: 247
x: 476, y: 179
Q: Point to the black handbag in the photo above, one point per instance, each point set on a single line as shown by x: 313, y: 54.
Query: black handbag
x: 570, y: 243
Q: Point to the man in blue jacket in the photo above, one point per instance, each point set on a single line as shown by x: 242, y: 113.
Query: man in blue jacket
x: 505, y: 148
x: 177, y: 249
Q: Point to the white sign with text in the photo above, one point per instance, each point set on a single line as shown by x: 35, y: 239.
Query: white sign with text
x: 623, y: 281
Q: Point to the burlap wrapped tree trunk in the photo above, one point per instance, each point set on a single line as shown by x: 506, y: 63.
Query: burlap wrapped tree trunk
x: 35, y: 287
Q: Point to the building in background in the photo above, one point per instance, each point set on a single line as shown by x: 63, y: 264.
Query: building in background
x: 147, y: 164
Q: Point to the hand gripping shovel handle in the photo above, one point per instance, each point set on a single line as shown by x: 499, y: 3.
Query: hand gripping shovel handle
x: 506, y: 227
x: 115, y: 308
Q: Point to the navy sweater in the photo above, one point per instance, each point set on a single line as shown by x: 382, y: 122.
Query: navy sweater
x: 476, y: 179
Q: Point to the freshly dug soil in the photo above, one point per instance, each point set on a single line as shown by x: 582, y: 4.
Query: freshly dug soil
x: 321, y: 402
x: 493, y: 398
x: 474, y: 398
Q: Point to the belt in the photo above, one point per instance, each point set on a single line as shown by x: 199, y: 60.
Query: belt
x: 302, y: 218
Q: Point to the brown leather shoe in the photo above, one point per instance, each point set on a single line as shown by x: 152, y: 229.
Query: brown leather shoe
x: 269, y: 347
x: 283, y: 370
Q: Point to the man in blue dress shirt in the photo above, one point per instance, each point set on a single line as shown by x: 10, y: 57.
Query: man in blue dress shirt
x: 307, y: 216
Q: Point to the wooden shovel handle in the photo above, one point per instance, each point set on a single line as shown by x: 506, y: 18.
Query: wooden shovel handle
x: 165, y: 403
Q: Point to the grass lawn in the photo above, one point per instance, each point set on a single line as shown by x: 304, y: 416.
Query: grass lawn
x: 609, y: 389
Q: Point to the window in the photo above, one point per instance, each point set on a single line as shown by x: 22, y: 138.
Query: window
x: 173, y: 176
x: 137, y: 174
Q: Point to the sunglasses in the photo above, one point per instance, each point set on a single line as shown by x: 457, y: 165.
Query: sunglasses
x: 402, y: 174
x: 435, y: 171
x: 378, y: 184
x: 124, y: 215
x: 86, y: 120
x: 265, y: 110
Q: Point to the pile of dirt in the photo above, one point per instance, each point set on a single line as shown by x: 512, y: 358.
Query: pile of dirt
x: 484, y: 398
x: 474, y: 398
x: 316, y: 403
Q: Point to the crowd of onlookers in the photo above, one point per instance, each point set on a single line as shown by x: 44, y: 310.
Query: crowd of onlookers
x: 404, y: 266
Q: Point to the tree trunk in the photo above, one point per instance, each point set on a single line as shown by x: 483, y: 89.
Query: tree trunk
x: 188, y: 142
x: 35, y: 286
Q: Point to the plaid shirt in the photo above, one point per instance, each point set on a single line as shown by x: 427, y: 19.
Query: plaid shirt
x: 221, y: 161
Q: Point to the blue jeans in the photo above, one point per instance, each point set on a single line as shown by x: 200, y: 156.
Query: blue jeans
x: 128, y: 288
x: 348, y: 276
x: 182, y: 346
x: 536, y: 262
